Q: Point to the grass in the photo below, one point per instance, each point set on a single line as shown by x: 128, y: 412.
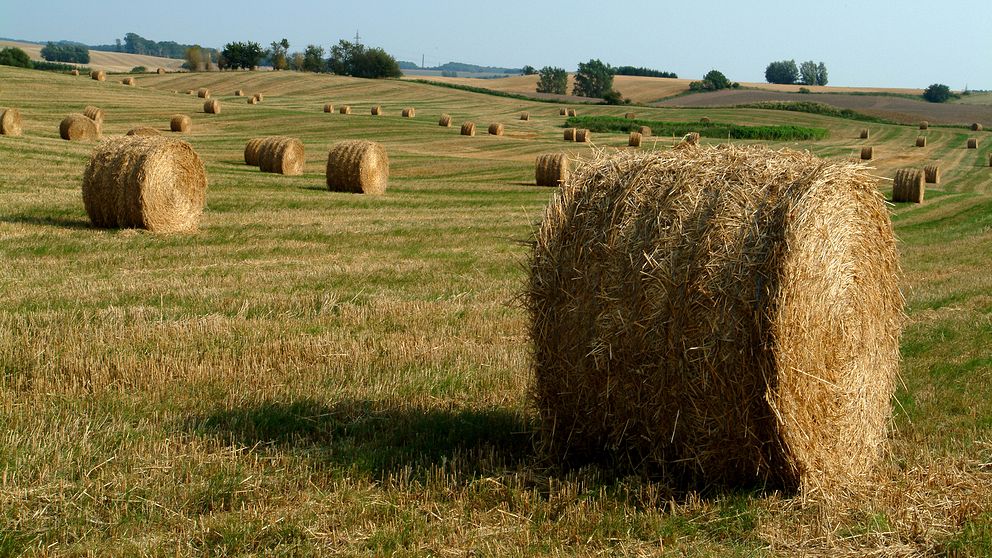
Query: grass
x: 708, y: 129
x: 817, y: 108
x: 319, y: 373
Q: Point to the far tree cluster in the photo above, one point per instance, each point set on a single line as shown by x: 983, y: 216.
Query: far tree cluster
x: 592, y: 79
x: 552, y: 80
x: 345, y: 58
x: 938, y: 93
x: 786, y: 72
x: 714, y: 80
x: 66, y: 52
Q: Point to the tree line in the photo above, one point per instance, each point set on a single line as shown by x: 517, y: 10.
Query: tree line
x: 345, y: 58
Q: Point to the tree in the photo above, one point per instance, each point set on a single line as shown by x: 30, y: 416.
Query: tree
x: 552, y: 80
x: 808, y: 73
x: 528, y: 70
x: 313, y: 58
x: 13, y: 56
x: 74, y: 53
x: 784, y: 72
x: 354, y: 59
x: 937, y: 93
x: 193, y: 57
x: 296, y: 60
x: 613, y: 97
x: 821, y: 74
x: 278, y: 54
x: 593, y: 79
x: 717, y: 80
x: 242, y: 55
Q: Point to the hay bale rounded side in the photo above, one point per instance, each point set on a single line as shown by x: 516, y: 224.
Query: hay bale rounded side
x: 143, y: 131
x: 99, y: 75
x: 972, y: 143
x: 931, y: 173
x: 496, y: 129
x: 634, y: 140
x: 444, y: 121
x: 190, y: 92
x: 468, y: 129
x: 867, y: 153
x: 211, y: 106
x: 583, y: 135
x: 377, y: 111
x: 153, y: 183
x: 358, y: 166
x: 921, y: 141
x: 328, y: 107
x: 77, y: 127
x: 704, y: 120
x: 630, y: 116
x: 129, y: 81
x: 976, y: 127
x: 10, y: 122
x: 239, y: 92
x: 160, y: 71
x: 562, y: 111
x: 409, y: 112
x: 525, y: 116
x: 203, y: 93
x: 180, y: 123
x: 686, y: 316
x: 924, y: 125
x: 252, y: 150
x: 908, y: 186
x: 74, y: 73
x: 345, y: 110
x: 253, y: 100
x: 571, y: 112
x: 645, y: 131
x: 282, y: 155
x: 865, y: 133
x: 569, y: 134
x: 551, y: 169
x: 94, y: 113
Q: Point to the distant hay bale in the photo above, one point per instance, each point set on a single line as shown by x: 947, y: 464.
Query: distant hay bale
x: 563, y: 111
x: 972, y: 143
x: 634, y: 140
x: 571, y: 112
x: 496, y: 129
x: 865, y: 133
x: 931, y: 173
x: 444, y: 121
x: 976, y: 127
x: 921, y: 141
x: 160, y: 71
x: 990, y: 159
x: 867, y: 152
x: 583, y: 135
x: 630, y: 115
x: 253, y: 100
x: 143, y: 131
x: 377, y: 110
x: 924, y: 125
x: 203, y: 93
x: 468, y: 129
x: 74, y: 73
x: 358, y: 166
x: 252, y: 150
x: 211, y: 106
x: 525, y: 116
x: 345, y: 110
x: 551, y: 169
x: 239, y: 93
x: 409, y: 112
x: 645, y: 131
x: 570, y: 134
x: 94, y: 113
x: 10, y: 122
x: 704, y: 120
x: 129, y: 81
x: 180, y: 123
x: 77, y: 127
x: 99, y: 75
x: 328, y: 107
x: 692, y: 138
x: 282, y: 155
x: 908, y: 186
x: 190, y: 91
x: 153, y: 183
x: 259, y: 97
x: 686, y: 316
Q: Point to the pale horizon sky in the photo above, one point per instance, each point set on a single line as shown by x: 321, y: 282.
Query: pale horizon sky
x: 911, y: 43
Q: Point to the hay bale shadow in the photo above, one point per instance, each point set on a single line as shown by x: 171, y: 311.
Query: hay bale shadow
x: 47, y: 221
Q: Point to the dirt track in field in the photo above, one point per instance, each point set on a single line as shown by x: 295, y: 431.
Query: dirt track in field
x: 895, y: 108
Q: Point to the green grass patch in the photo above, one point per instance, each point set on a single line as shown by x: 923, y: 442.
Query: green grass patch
x: 707, y: 130
x: 817, y: 108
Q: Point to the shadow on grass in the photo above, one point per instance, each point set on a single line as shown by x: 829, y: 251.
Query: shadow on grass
x: 378, y: 438
x: 47, y: 221
x: 317, y: 188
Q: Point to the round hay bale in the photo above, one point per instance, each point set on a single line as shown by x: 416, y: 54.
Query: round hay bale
x: 190, y: 92
x: 908, y: 186
x: 282, y: 155
x: 976, y: 127
x: 77, y: 127
x: 252, y: 150
x: 924, y: 125
x: 630, y: 115
x: 160, y: 71
x: 345, y: 110
x: 358, y: 166
x: 180, y: 123
x: 328, y: 107
x: 10, y: 122
x: 259, y: 97
x: 692, y: 138
x: 645, y: 131
x: 921, y: 141
x: 931, y: 173
x: 143, y: 131
x: 704, y: 120
x: 74, y: 73
x: 583, y: 135
x: 867, y: 152
x: 468, y: 129
x: 94, y: 113
x: 409, y: 112
x: 571, y: 112
x: 444, y: 121
x: 687, y: 316
x: 990, y: 159
x: 211, y: 106
x: 525, y: 116
x: 865, y: 133
x: 377, y: 111
x: 239, y: 93
x: 203, y: 93
x: 569, y: 134
x: 252, y: 100
x: 972, y: 143
x: 129, y: 81
x: 562, y: 111
x: 99, y: 75
x: 551, y: 169
x: 496, y: 129
x: 153, y: 183
x: 634, y: 140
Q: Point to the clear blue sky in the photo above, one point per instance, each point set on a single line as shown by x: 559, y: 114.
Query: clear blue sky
x: 907, y: 43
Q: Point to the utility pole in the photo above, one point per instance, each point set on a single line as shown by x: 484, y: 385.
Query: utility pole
x: 421, y: 61
x: 358, y: 38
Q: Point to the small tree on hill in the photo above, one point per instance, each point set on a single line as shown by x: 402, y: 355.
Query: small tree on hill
x: 593, y: 79
x: 552, y: 80
x: 354, y: 59
x: 528, y: 70
x: 937, y: 93
x: 313, y: 59
x: 278, y: 54
x: 13, y: 56
x: 821, y: 74
x: 807, y: 73
x: 783, y: 72
x: 717, y: 80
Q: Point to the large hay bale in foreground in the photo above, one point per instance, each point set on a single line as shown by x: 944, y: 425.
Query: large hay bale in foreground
x: 282, y: 155
x: 345, y: 110
x: 582, y: 135
x: 551, y: 169
x: 444, y: 121
x: 931, y: 173
x: 153, y: 183
x: 921, y: 141
x: 203, y: 93
x: 377, y: 110
x: 924, y: 125
x: 569, y: 134
x: 180, y: 123
x: 634, y: 140
x: 77, y: 127
x: 972, y: 143
x: 908, y: 186
x: 687, y: 317
x: 468, y: 129
x: 358, y: 166
x: 253, y: 148
x: 409, y: 112
x: 976, y: 127
x: 130, y: 81
x: 211, y: 106
x: 94, y: 113
x: 496, y: 129
x: 10, y: 122
x: 99, y: 75
x: 645, y: 131
x: 865, y: 133
x: 867, y: 152
x: 143, y: 131
x: 328, y: 107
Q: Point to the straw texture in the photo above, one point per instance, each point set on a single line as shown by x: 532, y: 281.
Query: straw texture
x: 377, y: 111
x: 94, y: 113
x: 180, y: 123
x: 328, y: 107
x: 129, y: 81
x: 583, y: 135
x: 908, y: 186
x: 468, y: 128
x: 496, y: 129
x: 645, y: 131
x: 976, y: 127
x: 143, y: 131
x: 634, y: 140
x: 77, y: 127
x: 551, y: 169
x: 931, y: 173
x: 10, y: 122
x: 921, y: 141
x: 409, y: 112
x: 924, y: 125
x: 865, y: 133
x: 358, y: 166
x: 203, y: 93
x: 281, y: 155
x: 345, y: 110
x: 211, y: 106
x: 253, y: 148
x: 444, y: 121
x: 525, y: 116
x: 867, y: 152
x: 972, y: 143
x: 99, y: 75
x: 569, y: 134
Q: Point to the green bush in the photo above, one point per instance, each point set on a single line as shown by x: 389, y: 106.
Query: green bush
x: 58, y: 67
x: 13, y: 56
x: 816, y: 108
x: 937, y: 93
x: 63, y: 52
x: 552, y: 80
x: 139, y: 70
x: 708, y: 130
